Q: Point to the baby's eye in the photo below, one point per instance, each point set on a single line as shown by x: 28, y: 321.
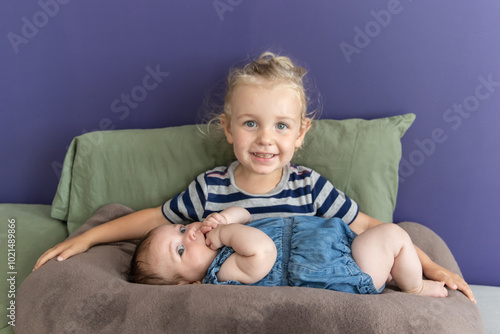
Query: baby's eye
x: 250, y: 124
x: 281, y: 126
x: 180, y: 250
x: 182, y: 229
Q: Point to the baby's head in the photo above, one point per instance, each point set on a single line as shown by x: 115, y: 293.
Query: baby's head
x: 170, y: 255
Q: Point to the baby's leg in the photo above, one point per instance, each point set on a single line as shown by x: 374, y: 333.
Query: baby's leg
x: 388, y: 250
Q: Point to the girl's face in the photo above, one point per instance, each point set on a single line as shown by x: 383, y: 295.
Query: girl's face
x: 181, y: 249
x: 265, y: 128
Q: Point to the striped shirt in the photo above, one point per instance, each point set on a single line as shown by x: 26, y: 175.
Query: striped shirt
x: 301, y: 191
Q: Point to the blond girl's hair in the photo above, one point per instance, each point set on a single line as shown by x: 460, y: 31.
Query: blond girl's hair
x: 268, y: 69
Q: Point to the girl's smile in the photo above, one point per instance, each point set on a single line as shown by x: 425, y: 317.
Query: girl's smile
x: 264, y: 158
x: 265, y: 128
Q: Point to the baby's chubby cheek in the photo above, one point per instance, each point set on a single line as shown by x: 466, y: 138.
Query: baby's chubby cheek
x: 208, y: 242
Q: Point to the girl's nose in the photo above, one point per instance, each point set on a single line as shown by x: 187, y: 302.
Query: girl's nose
x: 265, y: 136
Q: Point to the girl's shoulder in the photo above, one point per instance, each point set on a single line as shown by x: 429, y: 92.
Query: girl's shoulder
x: 218, y: 176
x: 302, y: 175
x: 220, y: 171
x: 301, y: 171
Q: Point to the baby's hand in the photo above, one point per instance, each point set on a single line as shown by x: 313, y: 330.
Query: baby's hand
x: 212, y: 221
x: 213, y: 239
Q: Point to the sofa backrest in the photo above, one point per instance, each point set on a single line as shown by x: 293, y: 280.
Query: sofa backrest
x: 144, y: 168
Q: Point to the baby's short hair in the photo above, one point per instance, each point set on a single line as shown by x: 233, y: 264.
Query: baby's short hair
x: 141, y: 271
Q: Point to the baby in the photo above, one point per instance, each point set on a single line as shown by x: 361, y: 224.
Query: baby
x: 296, y: 251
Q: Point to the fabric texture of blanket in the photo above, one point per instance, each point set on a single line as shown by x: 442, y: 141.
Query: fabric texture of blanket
x: 89, y: 293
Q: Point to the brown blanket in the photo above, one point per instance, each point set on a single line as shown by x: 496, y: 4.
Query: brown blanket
x: 89, y: 294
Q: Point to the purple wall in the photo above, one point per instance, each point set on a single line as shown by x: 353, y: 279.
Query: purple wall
x: 65, y: 66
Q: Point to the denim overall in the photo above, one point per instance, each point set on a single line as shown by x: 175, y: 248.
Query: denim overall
x: 312, y: 252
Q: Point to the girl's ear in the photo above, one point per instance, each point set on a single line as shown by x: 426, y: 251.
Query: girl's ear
x: 226, y: 124
x: 304, y: 127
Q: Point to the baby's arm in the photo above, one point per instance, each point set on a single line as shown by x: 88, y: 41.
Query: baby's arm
x: 430, y: 269
x: 254, y: 256
x: 231, y: 215
x: 132, y: 226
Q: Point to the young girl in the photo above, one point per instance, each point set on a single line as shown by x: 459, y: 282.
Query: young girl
x: 265, y: 119
x: 297, y: 251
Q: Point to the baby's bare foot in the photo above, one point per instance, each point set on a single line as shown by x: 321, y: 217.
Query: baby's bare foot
x: 430, y: 289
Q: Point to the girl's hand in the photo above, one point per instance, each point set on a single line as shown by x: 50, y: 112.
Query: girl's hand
x: 64, y: 250
x: 452, y: 280
x: 213, y: 238
x: 212, y: 221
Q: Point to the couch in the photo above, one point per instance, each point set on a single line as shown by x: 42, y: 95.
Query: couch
x: 142, y: 168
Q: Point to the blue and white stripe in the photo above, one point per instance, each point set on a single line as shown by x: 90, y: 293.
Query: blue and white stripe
x: 302, y: 191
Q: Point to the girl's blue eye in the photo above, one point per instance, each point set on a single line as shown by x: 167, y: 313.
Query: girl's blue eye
x: 180, y: 250
x: 182, y: 230
x: 250, y: 124
x: 281, y: 126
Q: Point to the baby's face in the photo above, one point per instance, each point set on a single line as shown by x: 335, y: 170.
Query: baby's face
x: 181, y: 249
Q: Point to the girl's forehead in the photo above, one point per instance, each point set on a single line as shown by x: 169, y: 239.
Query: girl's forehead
x: 249, y: 97
x: 264, y: 85
x: 250, y: 94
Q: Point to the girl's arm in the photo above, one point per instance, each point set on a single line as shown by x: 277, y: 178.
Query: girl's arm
x: 254, y: 256
x: 435, y: 272
x: 133, y: 226
x: 363, y: 222
x: 430, y: 269
x: 231, y: 215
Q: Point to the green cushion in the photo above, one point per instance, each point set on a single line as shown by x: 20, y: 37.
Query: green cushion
x: 7, y: 330
x: 144, y: 168
x: 34, y: 232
